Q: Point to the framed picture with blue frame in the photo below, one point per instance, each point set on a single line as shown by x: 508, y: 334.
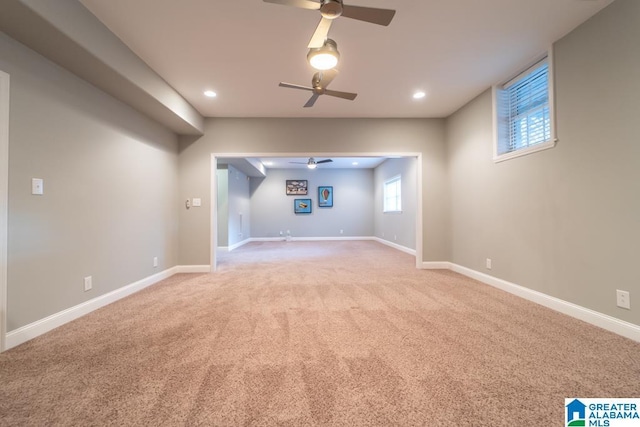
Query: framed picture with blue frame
x: 325, y: 197
x: 302, y: 206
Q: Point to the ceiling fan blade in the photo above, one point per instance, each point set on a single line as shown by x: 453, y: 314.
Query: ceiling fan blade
x: 303, y: 4
x: 321, y: 34
x: 312, y: 100
x: 327, y: 77
x: 292, y: 86
x: 324, y: 161
x: 343, y: 95
x: 369, y: 14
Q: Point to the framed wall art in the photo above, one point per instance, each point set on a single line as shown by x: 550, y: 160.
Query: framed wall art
x: 302, y: 206
x: 296, y: 187
x: 325, y: 197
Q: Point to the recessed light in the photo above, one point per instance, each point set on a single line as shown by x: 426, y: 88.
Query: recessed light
x: 419, y: 95
x: 267, y: 163
x: 355, y: 163
x: 210, y: 93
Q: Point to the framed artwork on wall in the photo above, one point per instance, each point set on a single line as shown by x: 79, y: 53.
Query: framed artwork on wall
x: 302, y: 206
x: 296, y: 187
x: 325, y: 197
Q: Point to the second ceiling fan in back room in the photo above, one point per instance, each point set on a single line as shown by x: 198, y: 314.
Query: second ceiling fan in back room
x: 312, y: 163
x: 332, y: 9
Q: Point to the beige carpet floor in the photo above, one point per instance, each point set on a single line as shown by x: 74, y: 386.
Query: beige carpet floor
x: 322, y: 333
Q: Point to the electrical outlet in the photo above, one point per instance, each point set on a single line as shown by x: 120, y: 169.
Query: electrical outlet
x: 488, y: 263
x: 623, y: 300
x: 341, y: 231
x: 155, y: 261
x: 88, y: 283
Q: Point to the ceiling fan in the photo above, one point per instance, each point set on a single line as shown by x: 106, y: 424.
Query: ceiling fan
x: 312, y: 164
x: 319, y: 85
x: 332, y: 9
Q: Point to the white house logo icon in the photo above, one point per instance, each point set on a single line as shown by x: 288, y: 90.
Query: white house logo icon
x: 576, y: 413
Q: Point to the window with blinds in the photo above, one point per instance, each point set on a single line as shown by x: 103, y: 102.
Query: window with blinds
x: 523, y: 113
x: 393, y: 195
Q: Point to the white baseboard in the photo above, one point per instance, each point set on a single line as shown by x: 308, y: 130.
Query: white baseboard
x: 396, y: 246
x: 39, y: 327
x: 611, y: 324
x: 437, y: 265
x: 193, y: 269
x: 309, y: 239
x: 237, y: 245
x: 329, y: 239
x: 266, y: 239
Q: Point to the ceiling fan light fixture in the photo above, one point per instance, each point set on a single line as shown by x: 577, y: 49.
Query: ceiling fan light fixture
x: 311, y: 163
x: 325, y: 57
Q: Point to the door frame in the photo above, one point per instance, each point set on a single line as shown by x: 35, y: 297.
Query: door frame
x: 214, y: 192
x: 4, y: 201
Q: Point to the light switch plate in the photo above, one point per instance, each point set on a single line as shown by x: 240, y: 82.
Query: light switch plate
x: 197, y: 202
x: 37, y: 186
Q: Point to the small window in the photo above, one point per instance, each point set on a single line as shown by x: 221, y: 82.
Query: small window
x: 523, y: 110
x: 393, y: 195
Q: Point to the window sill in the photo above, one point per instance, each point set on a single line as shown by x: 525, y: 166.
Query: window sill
x: 525, y: 151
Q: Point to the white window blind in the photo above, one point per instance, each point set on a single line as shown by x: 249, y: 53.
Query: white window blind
x: 523, y: 110
x: 393, y: 195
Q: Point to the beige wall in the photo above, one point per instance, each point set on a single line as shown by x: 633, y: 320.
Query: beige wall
x: 398, y: 228
x: 352, y: 211
x: 565, y: 221
x: 306, y: 136
x: 110, y: 190
x: 223, y: 205
x: 239, y: 215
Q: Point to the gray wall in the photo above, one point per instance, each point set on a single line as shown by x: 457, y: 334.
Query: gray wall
x: 352, y: 211
x: 239, y: 206
x: 398, y: 228
x: 565, y: 221
x: 110, y: 190
x: 320, y: 136
x: 223, y: 205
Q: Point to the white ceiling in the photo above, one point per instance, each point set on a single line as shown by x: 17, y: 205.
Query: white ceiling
x: 337, y: 163
x: 248, y: 164
x: 451, y: 49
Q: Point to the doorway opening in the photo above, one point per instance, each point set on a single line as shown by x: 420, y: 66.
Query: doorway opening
x: 217, y: 158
